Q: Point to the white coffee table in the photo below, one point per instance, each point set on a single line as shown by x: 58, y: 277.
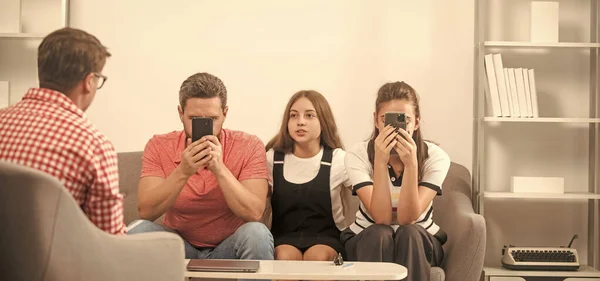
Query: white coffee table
x: 312, y: 270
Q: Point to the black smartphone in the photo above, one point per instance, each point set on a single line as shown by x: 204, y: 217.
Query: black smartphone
x: 397, y: 120
x: 201, y: 126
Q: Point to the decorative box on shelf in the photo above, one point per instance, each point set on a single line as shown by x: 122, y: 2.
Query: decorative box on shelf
x: 554, y: 185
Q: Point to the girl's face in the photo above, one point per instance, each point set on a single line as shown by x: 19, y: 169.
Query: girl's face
x: 303, y: 125
x: 397, y: 105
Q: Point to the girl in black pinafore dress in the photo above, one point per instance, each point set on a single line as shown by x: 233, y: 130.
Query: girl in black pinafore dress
x: 308, y: 176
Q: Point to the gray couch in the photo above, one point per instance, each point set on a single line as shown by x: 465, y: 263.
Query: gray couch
x: 464, y: 251
x: 46, y: 236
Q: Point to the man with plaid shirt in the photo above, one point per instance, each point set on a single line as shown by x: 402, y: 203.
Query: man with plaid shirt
x: 48, y: 131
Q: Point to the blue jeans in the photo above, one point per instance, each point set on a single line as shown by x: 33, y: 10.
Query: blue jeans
x: 251, y: 241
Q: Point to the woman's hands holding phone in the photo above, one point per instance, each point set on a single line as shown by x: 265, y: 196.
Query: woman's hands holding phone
x: 406, y: 148
x: 398, y: 139
x: 384, y: 143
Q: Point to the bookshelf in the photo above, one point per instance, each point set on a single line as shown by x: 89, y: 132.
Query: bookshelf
x: 562, y: 141
x: 26, y: 23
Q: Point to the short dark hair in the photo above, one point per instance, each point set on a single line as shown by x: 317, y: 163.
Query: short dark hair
x: 66, y: 56
x: 202, y: 85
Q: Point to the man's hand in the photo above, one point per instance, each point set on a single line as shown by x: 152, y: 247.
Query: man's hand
x: 195, y: 156
x: 215, y: 164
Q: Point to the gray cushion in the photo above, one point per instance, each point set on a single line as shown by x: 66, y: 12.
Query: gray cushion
x: 130, y: 168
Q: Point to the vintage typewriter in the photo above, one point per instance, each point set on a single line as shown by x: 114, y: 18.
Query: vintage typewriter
x: 540, y: 258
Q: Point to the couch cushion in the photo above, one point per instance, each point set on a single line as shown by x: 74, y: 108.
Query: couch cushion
x: 130, y: 168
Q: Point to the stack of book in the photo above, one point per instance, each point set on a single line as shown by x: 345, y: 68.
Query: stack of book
x: 510, y: 92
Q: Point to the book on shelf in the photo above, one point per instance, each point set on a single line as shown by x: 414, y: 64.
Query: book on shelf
x: 533, y: 90
x: 527, y: 92
x: 512, y: 81
x: 491, y: 86
x: 508, y: 95
x: 500, y: 79
x: 523, y: 103
x: 510, y: 92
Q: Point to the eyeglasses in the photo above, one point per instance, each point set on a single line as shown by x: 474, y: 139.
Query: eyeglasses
x: 101, y: 79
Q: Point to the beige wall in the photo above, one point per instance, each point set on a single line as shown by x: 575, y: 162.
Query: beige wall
x: 265, y: 51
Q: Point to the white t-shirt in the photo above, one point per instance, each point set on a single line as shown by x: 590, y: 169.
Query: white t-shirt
x: 360, y: 171
x: 302, y: 170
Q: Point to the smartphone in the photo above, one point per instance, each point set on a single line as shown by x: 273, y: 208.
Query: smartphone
x: 201, y: 126
x: 397, y: 120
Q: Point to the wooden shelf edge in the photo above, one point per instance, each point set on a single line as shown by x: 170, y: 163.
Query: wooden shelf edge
x: 527, y: 44
x: 584, y: 271
x: 22, y: 35
x: 541, y: 119
x: 558, y: 196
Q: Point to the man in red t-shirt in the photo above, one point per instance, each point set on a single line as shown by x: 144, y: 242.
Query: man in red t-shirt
x: 213, y: 191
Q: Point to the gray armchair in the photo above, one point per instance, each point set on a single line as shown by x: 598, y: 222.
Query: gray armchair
x: 465, y: 249
x: 46, y: 236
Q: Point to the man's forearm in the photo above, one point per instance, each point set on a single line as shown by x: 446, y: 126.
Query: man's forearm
x: 155, y: 201
x: 240, y: 200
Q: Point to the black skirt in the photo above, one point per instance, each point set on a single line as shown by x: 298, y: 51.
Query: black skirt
x: 303, y: 242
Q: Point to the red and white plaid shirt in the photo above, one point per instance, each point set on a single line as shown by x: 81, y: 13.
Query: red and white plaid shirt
x: 48, y: 132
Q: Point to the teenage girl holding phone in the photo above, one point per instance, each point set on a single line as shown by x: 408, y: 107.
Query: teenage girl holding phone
x: 396, y: 175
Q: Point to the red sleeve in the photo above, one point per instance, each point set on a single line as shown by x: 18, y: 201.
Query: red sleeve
x: 104, y: 203
x: 255, y: 166
x: 151, y: 164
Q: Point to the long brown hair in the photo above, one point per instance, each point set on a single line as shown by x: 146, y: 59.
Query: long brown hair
x: 400, y: 91
x: 283, y: 142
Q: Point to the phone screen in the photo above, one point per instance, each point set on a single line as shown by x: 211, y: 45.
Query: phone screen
x: 201, y: 126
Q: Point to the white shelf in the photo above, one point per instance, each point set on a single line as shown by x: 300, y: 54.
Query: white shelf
x: 541, y: 120
x: 22, y: 35
x: 527, y: 44
x: 584, y: 271
x: 523, y: 195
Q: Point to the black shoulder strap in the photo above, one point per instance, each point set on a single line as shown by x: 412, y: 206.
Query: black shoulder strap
x: 278, y: 158
x: 277, y: 167
x: 327, y: 156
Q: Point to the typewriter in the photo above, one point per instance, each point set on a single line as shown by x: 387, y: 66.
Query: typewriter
x: 540, y: 258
